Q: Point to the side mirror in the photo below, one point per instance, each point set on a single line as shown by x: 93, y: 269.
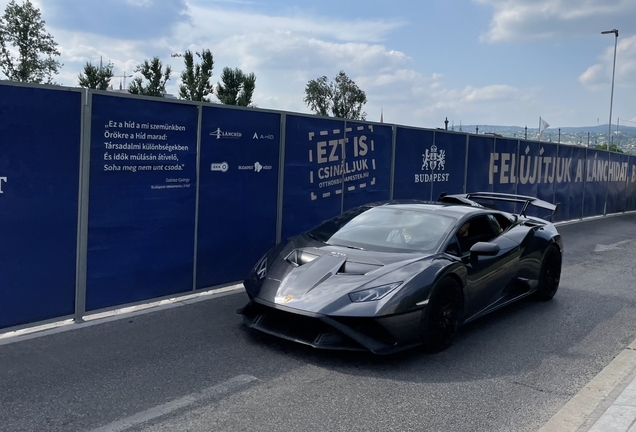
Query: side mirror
x: 484, y: 249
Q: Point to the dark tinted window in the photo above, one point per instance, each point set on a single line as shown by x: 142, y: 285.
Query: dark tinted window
x: 386, y: 229
x: 480, y: 229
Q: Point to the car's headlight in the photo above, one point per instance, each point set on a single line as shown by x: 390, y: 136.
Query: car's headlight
x: 372, y: 294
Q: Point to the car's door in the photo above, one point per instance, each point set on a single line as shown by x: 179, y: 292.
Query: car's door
x: 488, y: 276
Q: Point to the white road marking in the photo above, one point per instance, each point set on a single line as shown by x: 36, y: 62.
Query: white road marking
x: 167, y: 408
x: 613, y: 246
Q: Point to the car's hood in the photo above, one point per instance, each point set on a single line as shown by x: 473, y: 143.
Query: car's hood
x: 319, y: 278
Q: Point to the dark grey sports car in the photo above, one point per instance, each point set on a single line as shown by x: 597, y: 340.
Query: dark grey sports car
x: 389, y: 276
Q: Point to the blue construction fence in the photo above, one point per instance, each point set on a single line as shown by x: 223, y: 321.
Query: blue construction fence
x: 109, y: 199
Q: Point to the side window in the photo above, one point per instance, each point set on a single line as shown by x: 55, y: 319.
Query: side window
x: 494, y: 223
x: 504, y: 222
x: 453, y: 248
x: 478, y: 229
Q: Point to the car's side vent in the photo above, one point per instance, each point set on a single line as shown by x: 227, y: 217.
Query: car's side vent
x: 299, y: 257
x: 532, y: 223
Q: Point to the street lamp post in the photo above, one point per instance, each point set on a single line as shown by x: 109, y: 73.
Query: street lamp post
x: 615, y: 32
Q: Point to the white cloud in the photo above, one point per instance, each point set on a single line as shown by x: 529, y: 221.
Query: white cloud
x: 522, y: 20
x: 600, y: 74
x: 217, y: 22
x: 285, y: 52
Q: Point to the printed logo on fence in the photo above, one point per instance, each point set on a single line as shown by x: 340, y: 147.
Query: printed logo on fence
x: 223, y: 167
x: 333, y: 169
x: 257, y: 167
x: 2, y: 180
x: 263, y: 136
x: 433, y: 160
x: 218, y: 133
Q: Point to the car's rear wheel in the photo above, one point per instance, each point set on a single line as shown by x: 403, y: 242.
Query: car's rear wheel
x: 442, y: 316
x: 550, y: 274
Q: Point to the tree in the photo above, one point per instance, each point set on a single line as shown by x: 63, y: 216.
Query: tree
x: 612, y: 147
x: 237, y: 87
x: 195, y: 79
x: 22, y: 33
x: 155, y: 76
x: 95, y: 77
x: 340, y: 98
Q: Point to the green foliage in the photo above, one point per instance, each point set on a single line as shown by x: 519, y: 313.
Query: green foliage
x: 156, y: 79
x: 26, y: 49
x: 249, y: 85
x: 318, y: 96
x: 195, y: 79
x: 340, y: 98
x: 237, y: 88
x: 95, y: 77
x: 612, y: 147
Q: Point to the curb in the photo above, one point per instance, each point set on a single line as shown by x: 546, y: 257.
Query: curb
x: 586, y: 407
x: 116, y: 314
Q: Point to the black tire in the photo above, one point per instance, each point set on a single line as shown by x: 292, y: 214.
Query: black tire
x: 550, y: 274
x: 442, y: 316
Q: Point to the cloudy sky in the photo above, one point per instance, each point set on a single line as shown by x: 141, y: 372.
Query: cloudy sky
x: 493, y: 62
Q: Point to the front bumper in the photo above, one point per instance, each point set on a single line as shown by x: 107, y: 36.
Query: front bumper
x: 380, y: 335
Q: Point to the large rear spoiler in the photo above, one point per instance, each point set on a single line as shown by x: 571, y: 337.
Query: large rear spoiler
x: 469, y: 199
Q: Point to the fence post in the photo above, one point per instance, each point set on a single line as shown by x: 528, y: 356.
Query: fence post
x: 281, y: 177
x: 196, y: 197
x: 392, y: 178
x: 81, y: 259
x: 466, y: 163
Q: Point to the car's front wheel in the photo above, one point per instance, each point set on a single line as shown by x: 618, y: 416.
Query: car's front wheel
x: 550, y: 274
x: 442, y: 316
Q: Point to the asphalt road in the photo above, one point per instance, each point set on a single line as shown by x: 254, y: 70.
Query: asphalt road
x: 196, y: 368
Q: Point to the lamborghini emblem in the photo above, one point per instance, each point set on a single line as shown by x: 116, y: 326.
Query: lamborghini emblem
x: 287, y: 298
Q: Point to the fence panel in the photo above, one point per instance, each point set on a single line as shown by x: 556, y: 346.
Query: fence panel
x: 481, y: 154
x: 314, y: 172
x: 411, y: 179
x: 368, y: 153
x: 597, y: 162
x: 617, y: 182
x: 570, y: 180
x: 504, y: 166
x: 446, y: 163
x: 238, y: 192
x: 142, y: 200
x: 39, y: 183
x: 631, y: 184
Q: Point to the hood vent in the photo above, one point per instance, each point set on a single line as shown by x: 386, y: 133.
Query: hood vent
x: 354, y: 268
x: 299, y: 257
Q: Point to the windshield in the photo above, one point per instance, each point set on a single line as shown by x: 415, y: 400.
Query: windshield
x: 385, y: 229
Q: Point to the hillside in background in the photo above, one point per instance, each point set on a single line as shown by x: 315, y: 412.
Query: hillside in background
x: 625, y: 138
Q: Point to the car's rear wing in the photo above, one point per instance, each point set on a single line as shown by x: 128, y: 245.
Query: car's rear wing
x: 470, y: 199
